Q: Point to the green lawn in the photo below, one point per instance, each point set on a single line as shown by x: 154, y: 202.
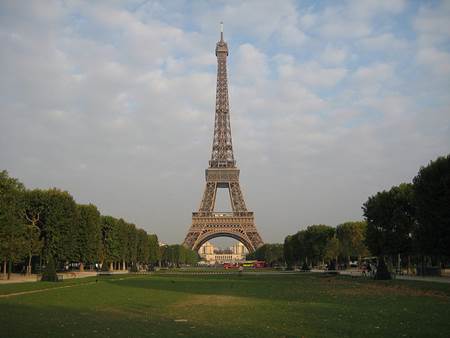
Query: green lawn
x: 226, y: 306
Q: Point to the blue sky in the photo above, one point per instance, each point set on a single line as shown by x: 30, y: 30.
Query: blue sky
x: 331, y: 101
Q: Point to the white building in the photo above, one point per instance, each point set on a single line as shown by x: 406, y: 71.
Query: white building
x: 213, y: 255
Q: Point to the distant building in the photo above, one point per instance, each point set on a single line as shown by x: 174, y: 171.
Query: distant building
x: 213, y: 255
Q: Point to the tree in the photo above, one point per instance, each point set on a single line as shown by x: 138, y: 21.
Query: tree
x: 176, y: 255
x: 288, y: 251
x: 351, y: 236
x: 132, y: 245
x: 300, y: 248
x: 110, y: 245
x: 55, y: 213
x: 143, y: 248
x: 270, y: 253
x: 59, y: 225
x: 33, y: 208
x: 432, y: 203
x: 11, y: 225
x: 154, y: 250
x: 49, y: 273
x: 88, y: 239
x: 331, y: 253
x: 316, y: 238
x: 32, y: 243
x: 390, y: 222
x: 123, y: 241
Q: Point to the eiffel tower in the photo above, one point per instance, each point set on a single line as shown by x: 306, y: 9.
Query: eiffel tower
x: 222, y: 173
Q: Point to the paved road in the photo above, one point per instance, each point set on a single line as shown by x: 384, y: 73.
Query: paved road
x: 355, y: 273
x: 444, y: 279
x: 425, y: 279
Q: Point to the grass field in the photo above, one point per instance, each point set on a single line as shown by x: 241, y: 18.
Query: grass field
x: 303, y: 305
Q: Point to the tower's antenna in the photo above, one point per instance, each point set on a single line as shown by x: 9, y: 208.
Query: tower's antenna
x: 221, y: 30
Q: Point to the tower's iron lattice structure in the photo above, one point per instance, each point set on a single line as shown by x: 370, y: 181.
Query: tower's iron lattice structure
x: 222, y: 173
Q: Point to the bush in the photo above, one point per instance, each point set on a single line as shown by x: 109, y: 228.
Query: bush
x: 49, y: 274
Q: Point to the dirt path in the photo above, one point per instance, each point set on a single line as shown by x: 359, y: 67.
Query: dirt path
x: 42, y: 290
x: 59, y: 287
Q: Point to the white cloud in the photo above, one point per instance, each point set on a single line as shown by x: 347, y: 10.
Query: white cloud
x: 261, y: 19
x: 333, y: 55
x: 251, y: 64
x: 376, y: 73
x: 99, y: 99
x: 355, y: 19
x: 386, y: 42
x: 338, y: 27
x: 307, y: 20
x: 431, y: 23
x: 290, y: 35
x: 370, y: 8
x: 312, y: 74
x: 438, y: 61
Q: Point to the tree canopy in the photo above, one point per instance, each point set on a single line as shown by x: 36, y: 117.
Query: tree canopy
x: 176, y: 255
x: 390, y: 221
x: 432, y: 207
x: 272, y: 254
x: 50, y: 224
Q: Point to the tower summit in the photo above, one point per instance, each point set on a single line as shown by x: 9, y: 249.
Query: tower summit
x: 222, y: 149
x: 222, y: 173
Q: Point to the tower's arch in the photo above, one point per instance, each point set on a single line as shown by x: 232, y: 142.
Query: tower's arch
x: 237, y: 236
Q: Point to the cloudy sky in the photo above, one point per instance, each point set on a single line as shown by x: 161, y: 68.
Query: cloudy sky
x: 330, y: 103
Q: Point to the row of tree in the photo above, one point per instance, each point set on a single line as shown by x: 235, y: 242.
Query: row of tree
x: 177, y: 255
x: 272, y: 254
x: 321, y: 243
x: 413, y: 219
x: 408, y: 223
x: 49, y: 223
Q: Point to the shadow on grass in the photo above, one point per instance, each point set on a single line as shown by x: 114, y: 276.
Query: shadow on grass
x: 264, y: 287
x: 307, y: 287
x: 20, y: 320
x: 259, y: 306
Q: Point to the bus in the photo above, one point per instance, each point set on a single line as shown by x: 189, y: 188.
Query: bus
x: 253, y: 264
x: 227, y: 266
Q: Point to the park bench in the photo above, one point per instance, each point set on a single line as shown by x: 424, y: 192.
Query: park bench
x: 104, y: 273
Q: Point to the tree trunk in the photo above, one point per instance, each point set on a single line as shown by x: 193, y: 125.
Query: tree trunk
x: 423, y: 266
x: 382, y: 270
x: 4, y: 268
x: 29, y: 265
x: 9, y: 268
x: 81, y: 267
x: 111, y: 266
